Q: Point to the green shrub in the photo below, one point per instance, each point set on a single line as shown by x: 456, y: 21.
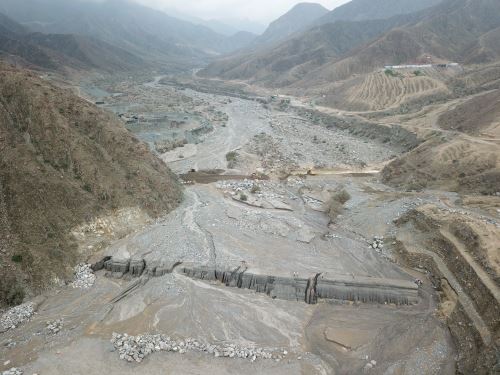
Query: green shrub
x: 243, y: 197
x: 255, y: 189
x: 390, y: 73
x: 341, y: 196
x: 17, y: 258
x: 232, y: 158
x: 233, y: 155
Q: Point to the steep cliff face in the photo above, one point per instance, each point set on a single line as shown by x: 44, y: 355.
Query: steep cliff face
x: 64, y: 162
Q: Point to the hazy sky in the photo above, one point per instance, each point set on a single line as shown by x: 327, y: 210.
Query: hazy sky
x: 256, y: 10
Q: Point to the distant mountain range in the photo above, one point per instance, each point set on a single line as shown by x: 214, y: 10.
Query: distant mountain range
x: 60, y: 52
x: 228, y: 27
x: 307, y: 47
x: 464, y: 31
x: 126, y: 26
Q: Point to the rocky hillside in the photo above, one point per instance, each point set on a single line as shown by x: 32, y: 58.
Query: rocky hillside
x: 298, y: 18
x: 64, y: 163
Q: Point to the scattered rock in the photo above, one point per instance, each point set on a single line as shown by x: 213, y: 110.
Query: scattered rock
x: 13, y: 371
x: 55, y: 326
x: 378, y: 243
x: 17, y: 315
x: 84, y: 276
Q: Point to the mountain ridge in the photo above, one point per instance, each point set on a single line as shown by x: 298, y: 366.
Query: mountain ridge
x: 296, y: 19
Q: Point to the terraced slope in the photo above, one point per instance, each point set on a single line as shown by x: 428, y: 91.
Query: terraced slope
x: 378, y: 91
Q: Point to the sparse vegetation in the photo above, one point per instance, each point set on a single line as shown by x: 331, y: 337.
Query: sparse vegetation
x: 335, y: 205
x: 391, y: 73
x: 418, y: 73
x: 243, y: 197
x: 17, y: 258
x: 255, y: 189
x: 169, y: 145
x: 232, y: 159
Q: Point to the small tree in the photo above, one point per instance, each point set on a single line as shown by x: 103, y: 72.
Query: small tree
x: 231, y: 158
x: 335, y: 205
x: 390, y: 73
x: 255, y: 189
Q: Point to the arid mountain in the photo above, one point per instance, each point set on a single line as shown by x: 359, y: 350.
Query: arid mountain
x: 448, y: 32
x: 283, y: 64
x: 300, y: 17
x: 61, y: 51
x: 456, y: 30
x: 63, y: 163
x: 140, y: 30
x: 360, y: 10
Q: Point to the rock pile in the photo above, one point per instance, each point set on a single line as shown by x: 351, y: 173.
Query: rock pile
x: 55, y: 326
x: 84, y: 276
x: 136, y: 348
x: 378, y: 243
x: 17, y: 315
x: 370, y: 365
x: 13, y: 371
